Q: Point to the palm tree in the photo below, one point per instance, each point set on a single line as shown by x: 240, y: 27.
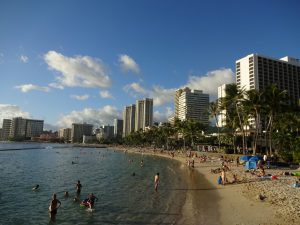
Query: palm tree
x: 181, y: 128
x: 214, y: 111
x: 232, y: 103
x: 253, y: 105
x: 275, y: 99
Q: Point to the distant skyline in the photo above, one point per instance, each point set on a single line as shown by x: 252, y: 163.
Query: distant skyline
x: 83, y: 61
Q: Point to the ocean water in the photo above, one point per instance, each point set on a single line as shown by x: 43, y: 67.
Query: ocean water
x: 123, y: 198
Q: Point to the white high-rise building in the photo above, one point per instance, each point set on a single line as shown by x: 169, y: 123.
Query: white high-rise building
x: 128, y: 119
x: 257, y: 72
x: 192, y: 104
x: 222, y: 115
x: 65, y: 134
x: 143, y: 114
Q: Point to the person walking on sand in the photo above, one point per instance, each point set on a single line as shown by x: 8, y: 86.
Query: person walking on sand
x: 156, y: 181
x: 223, y: 176
x: 237, y: 161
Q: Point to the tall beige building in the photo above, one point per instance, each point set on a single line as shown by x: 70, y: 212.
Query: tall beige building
x: 257, y: 72
x: 80, y: 129
x: 143, y: 114
x: 128, y: 119
x: 191, y: 104
x: 65, y: 134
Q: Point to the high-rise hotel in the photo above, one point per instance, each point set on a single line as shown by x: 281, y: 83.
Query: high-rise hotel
x: 191, y: 104
x: 138, y: 116
x: 128, y: 119
x: 19, y: 127
x: 143, y: 114
x: 257, y: 72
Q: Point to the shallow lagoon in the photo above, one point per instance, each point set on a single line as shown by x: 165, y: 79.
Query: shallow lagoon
x: 123, y: 198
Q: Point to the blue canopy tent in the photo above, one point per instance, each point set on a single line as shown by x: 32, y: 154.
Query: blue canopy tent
x: 245, y: 157
x: 255, y: 158
x: 250, y: 165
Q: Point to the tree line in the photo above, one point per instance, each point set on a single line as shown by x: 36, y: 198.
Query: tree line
x: 255, y: 122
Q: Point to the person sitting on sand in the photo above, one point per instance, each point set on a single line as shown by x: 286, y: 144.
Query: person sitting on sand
x: 296, y: 184
x: 262, y: 172
x: 235, y: 180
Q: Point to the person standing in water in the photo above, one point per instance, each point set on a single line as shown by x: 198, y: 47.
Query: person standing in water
x: 78, y: 187
x: 54, y: 205
x: 156, y: 181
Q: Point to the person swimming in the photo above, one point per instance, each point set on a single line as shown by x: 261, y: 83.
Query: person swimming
x: 36, y: 187
x: 91, y: 200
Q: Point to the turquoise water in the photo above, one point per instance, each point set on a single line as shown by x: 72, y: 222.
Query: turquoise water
x: 123, y: 198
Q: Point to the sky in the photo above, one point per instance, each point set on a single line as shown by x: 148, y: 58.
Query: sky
x: 66, y: 61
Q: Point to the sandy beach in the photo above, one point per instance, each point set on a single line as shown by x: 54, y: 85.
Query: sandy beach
x: 207, y: 202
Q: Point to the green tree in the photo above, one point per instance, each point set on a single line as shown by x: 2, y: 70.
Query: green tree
x: 214, y: 112
x: 275, y: 100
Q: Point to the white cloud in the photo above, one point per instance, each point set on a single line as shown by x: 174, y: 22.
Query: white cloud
x: 8, y: 111
x: 135, y: 89
x: 105, y: 94
x: 97, y: 117
x: 80, y: 97
x: 162, y: 95
x: 78, y: 71
x: 128, y: 64
x: 208, y: 83
x: 30, y: 87
x: 163, y: 116
x: 24, y: 58
x: 159, y: 94
x: 56, y: 85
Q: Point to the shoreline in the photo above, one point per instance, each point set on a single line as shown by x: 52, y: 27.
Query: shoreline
x: 207, y: 203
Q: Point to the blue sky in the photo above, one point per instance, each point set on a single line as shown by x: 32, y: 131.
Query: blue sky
x: 83, y: 61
